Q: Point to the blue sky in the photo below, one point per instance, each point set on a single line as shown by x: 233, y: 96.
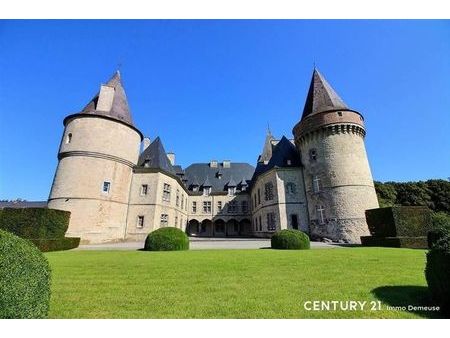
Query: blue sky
x: 209, y: 88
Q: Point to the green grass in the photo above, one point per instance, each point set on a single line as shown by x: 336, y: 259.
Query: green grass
x: 234, y: 283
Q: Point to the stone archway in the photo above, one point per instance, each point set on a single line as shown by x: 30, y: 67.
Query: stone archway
x: 232, y: 228
x: 206, y: 228
x: 219, y: 228
x: 193, y: 228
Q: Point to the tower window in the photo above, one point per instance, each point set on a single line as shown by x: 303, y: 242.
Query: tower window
x: 320, y: 214
x: 144, y: 189
x: 316, y: 184
x: 69, y: 138
x: 140, y: 222
x: 271, y: 225
x: 339, y: 113
x: 313, y: 155
x: 106, y: 187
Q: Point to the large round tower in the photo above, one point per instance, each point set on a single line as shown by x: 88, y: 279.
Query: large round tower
x: 98, y: 150
x: 339, y: 184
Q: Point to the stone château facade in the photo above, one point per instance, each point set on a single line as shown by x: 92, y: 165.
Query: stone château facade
x: 119, y: 186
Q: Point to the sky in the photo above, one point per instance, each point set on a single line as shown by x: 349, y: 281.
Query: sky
x: 210, y: 88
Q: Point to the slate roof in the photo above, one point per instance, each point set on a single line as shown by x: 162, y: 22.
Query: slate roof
x: 267, y: 150
x: 321, y: 97
x: 283, y: 151
x: 156, y: 157
x: 198, y: 173
x: 24, y: 204
x: 120, y: 109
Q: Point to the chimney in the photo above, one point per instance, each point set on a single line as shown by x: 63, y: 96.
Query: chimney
x: 145, y: 143
x: 171, y: 157
x: 213, y: 164
x: 226, y: 163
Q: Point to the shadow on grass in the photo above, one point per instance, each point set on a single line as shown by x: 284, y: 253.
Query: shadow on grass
x: 409, y: 298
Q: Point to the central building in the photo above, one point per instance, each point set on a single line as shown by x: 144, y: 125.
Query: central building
x: 119, y: 186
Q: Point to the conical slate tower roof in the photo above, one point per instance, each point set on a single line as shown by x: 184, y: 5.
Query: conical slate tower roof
x: 111, y: 101
x: 321, y: 97
x: 156, y: 157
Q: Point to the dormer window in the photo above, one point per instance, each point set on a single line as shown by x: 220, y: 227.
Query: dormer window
x: 147, y: 163
x: 219, y: 175
x: 206, y: 191
x: 231, y: 191
x: 69, y: 138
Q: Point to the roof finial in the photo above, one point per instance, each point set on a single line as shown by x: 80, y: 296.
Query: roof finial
x: 314, y: 65
x: 268, y: 128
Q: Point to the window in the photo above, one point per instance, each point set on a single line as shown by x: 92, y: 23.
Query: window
x: 166, y: 192
x: 294, y: 222
x: 271, y: 225
x: 254, y: 204
x: 231, y: 191
x: 268, y: 191
x: 144, y: 189
x: 194, y: 207
x: 164, y: 220
x: 320, y: 214
x: 291, y: 188
x: 140, y: 222
x: 177, y: 200
x: 316, y: 183
x: 176, y: 221
x: 106, y: 187
x: 288, y: 162
x: 69, y: 138
x: 259, y: 197
x: 260, y: 224
x: 244, y: 207
x: 232, y: 207
x: 313, y: 155
x: 206, y: 207
x: 206, y: 191
x: 219, y: 206
x: 339, y: 113
x: 147, y: 163
x: 182, y: 201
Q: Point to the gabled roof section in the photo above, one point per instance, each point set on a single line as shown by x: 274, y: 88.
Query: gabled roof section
x: 154, y: 156
x: 110, y: 101
x: 284, y: 155
x: 321, y: 97
x: 206, y: 183
x: 231, y: 182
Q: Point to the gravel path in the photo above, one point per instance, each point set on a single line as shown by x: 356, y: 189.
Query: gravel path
x: 205, y: 244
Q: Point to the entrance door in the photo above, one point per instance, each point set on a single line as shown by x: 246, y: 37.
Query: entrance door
x: 294, y: 222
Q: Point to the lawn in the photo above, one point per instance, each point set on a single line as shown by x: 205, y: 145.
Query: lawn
x: 235, y: 283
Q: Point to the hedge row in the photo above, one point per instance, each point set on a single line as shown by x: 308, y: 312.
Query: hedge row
x: 24, y: 279
x: 399, y: 221
x: 35, y: 222
x: 59, y: 244
x: 395, y: 242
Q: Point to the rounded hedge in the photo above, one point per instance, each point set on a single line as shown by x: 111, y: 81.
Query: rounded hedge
x: 24, y: 279
x: 167, y: 239
x: 290, y: 240
x: 437, y: 272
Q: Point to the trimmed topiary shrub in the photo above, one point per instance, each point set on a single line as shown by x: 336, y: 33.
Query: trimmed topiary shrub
x: 399, y: 221
x: 36, y: 223
x: 290, y: 240
x: 44, y: 227
x: 24, y: 279
x: 437, y: 272
x: 167, y: 239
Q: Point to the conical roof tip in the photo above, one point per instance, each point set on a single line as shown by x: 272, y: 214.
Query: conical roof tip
x: 321, y: 96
